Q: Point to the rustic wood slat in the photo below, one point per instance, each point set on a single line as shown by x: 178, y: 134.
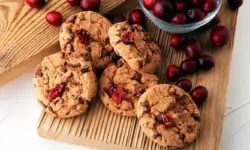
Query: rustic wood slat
x: 99, y: 128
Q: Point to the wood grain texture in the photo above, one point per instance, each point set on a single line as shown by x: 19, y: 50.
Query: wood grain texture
x: 24, y: 32
x: 99, y: 128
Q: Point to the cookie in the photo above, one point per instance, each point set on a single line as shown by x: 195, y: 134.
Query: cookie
x: 120, y: 87
x: 65, y: 87
x: 86, y: 34
x: 168, y: 116
x: 135, y: 46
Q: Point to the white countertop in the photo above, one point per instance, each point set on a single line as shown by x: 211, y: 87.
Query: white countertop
x: 19, y: 110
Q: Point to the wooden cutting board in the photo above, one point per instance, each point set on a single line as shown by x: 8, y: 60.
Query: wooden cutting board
x: 101, y: 129
x: 26, y: 37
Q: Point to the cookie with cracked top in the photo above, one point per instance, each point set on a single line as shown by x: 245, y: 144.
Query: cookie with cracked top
x: 64, y: 86
x: 135, y: 46
x: 86, y: 34
x: 168, y: 116
x: 120, y: 87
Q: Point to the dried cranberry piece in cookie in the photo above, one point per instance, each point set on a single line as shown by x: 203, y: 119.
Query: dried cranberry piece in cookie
x: 57, y: 91
x: 38, y: 72
x: 128, y: 38
x: 117, y: 93
x: 83, y: 36
x: 168, y: 120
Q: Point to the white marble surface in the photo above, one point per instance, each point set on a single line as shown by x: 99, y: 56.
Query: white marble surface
x: 19, y: 111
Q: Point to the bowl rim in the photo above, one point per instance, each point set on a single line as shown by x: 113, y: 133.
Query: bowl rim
x: 199, y: 23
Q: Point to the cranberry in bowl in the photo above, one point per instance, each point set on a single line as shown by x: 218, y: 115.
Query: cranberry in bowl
x: 188, y: 17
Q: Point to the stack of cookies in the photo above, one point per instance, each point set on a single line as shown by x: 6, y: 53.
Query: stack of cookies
x: 127, y: 56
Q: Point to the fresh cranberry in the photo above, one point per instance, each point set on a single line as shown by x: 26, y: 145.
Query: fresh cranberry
x: 180, y: 6
x: 73, y: 2
x: 179, y: 19
x: 56, y: 91
x: 199, y: 95
x: 173, y: 72
x: 117, y: 93
x: 119, y: 18
x: 36, y: 3
x: 214, y: 22
x: 234, y: 4
x: 209, y: 6
x: 193, y: 49
x: 184, y: 84
x: 177, y: 41
x: 90, y: 4
x: 136, y: 17
x: 149, y: 4
x: 54, y: 18
x: 188, y: 66
x: 163, y: 10
x: 198, y: 2
x: 83, y: 36
x: 195, y: 14
x: 206, y: 62
x: 220, y: 36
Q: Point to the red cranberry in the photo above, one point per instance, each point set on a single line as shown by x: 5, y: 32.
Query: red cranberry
x: 73, y: 2
x: 180, y: 6
x: 54, y: 18
x: 167, y: 120
x: 172, y: 72
x: 198, y: 2
x: 83, y: 36
x: 209, y: 6
x: 36, y: 3
x: 199, y: 95
x: 215, y: 21
x: 90, y: 4
x: 163, y: 10
x: 136, y: 17
x: 119, y: 18
x: 234, y: 4
x: 195, y: 14
x: 179, y: 19
x: 206, y: 62
x: 117, y: 93
x: 149, y: 4
x: 193, y: 49
x: 56, y: 91
x: 184, y: 84
x: 188, y: 66
x: 220, y: 36
x: 177, y: 41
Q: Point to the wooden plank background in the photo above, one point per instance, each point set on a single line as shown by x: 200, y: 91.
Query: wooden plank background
x: 101, y: 129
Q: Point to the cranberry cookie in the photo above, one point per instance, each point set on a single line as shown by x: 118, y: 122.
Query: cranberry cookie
x: 65, y: 87
x: 168, y: 116
x: 86, y: 34
x: 121, y: 87
x: 135, y: 46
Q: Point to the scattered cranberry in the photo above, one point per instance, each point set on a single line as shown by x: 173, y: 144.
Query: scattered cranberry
x: 173, y: 72
x: 195, y: 14
x: 188, y: 66
x: 54, y: 18
x: 193, y: 49
x: 234, y: 4
x: 168, y: 120
x: 119, y: 18
x: 180, y: 6
x: 219, y: 36
x: 128, y: 38
x: 198, y: 2
x: 55, y: 92
x: 83, y: 36
x: 199, y: 95
x: 177, y: 41
x: 179, y: 19
x: 184, y: 84
x: 117, y: 93
x: 36, y: 3
x: 90, y: 4
x: 73, y: 2
x: 149, y: 4
x: 209, y: 6
x: 136, y: 17
x: 206, y: 62
x: 163, y: 10
x: 215, y: 21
